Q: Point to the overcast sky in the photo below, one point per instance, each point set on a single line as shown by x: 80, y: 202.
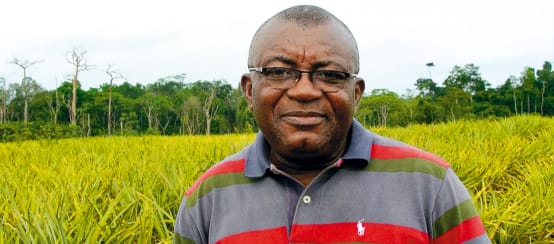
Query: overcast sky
x: 209, y: 40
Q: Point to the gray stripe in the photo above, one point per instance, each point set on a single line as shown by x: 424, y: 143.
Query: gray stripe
x: 452, y: 193
x: 185, y: 227
x: 482, y: 239
x: 399, y: 199
x: 340, y: 198
x: 239, y: 208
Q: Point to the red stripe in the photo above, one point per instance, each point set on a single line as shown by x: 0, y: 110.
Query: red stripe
x: 223, y: 168
x: 266, y: 236
x: 348, y: 232
x: 398, y: 152
x: 467, y: 230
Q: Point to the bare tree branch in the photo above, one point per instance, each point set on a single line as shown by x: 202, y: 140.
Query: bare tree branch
x: 76, y: 57
x: 24, y: 64
x: 114, y: 75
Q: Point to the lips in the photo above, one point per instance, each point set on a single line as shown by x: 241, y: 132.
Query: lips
x: 303, y: 118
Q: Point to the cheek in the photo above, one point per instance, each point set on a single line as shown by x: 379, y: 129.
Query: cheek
x: 264, y: 101
x: 343, y: 105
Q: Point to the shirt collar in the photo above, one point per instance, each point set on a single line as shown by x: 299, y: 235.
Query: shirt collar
x: 358, y: 151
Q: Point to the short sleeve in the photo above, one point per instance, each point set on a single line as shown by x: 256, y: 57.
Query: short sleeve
x: 455, y: 218
x: 186, y: 231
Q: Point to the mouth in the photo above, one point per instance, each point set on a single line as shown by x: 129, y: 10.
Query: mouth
x: 303, y: 118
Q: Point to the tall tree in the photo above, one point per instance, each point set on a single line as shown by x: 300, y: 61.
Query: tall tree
x: 24, y: 64
x: 77, y: 58
x: 210, y: 108
x: 54, y: 105
x: 426, y: 87
x: 3, y: 100
x: 545, y: 77
x: 530, y: 90
x: 468, y: 79
x: 114, y: 75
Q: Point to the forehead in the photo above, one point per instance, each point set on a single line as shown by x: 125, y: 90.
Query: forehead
x: 304, y: 42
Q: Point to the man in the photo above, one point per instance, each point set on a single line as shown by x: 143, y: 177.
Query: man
x: 313, y: 173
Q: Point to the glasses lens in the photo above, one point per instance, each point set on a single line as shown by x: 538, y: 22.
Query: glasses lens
x: 281, y: 78
x: 285, y: 78
x: 278, y: 73
x: 330, y: 76
x: 329, y: 80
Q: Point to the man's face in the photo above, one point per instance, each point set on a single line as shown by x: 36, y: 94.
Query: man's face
x: 303, y: 122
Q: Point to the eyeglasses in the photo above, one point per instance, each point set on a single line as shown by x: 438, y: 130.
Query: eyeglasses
x: 285, y: 78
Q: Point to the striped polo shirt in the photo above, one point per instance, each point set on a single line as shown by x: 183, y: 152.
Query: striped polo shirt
x: 380, y: 191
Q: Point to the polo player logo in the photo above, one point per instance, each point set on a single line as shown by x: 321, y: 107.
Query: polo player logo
x: 361, y: 228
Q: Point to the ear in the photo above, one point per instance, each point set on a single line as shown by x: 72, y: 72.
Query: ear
x: 246, y: 87
x: 359, y: 88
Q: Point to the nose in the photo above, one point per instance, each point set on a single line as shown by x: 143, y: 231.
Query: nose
x: 304, y: 89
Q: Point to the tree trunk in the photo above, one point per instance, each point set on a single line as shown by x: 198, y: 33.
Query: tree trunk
x: 515, y: 100
x: 3, y: 108
x: 528, y: 104
x: 88, y: 124
x: 542, y: 97
x: 73, y: 112
x: 209, y: 111
x: 110, y: 109
x: 25, y: 98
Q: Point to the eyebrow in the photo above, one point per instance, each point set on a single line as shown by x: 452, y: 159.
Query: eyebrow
x: 292, y: 62
x: 281, y: 59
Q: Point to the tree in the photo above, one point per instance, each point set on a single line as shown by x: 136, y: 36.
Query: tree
x: 210, y: 108
x: 3, y: 100
x: 190, y: 114
x: 54, y: 106
x: 468, y: 79
x: 148, y: 103
x: 545, y: 77
x: 77, y: 58
x: 114, y: 75
x: 511, y: 84
x: 530, y: 89
x: 426, y: 87
x: 383, y: 108
x: 25, y: 87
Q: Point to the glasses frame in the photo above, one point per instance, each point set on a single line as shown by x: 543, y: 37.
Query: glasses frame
x: 298, y: 75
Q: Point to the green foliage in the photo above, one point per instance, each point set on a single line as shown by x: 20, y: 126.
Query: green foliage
x: 169, y: 106
x: 507, y: 165
x: 128, y: 189
x: 104, y: 189
x: 34, y: 131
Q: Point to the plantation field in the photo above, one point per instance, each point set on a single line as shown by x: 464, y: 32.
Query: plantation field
x: 128, y: 189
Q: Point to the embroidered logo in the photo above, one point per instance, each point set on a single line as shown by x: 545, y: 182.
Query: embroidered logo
x: 361, y: 228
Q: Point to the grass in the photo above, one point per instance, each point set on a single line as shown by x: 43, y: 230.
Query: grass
x: 128, y: 189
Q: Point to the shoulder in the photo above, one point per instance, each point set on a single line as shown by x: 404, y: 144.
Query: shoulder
x: 230, y: 165
x: 229, y: 171
x: 391, y: 155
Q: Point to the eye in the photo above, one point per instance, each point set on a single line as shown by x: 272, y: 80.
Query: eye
x: 278, y: 73
x: 330, y: 75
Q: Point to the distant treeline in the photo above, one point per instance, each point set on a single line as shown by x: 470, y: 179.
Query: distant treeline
x: 169, y: 106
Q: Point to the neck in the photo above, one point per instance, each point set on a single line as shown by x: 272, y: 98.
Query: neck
x: 305, y: 170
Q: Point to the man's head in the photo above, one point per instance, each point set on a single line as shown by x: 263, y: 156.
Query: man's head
x: 307, y: 16
x: 304, y: 121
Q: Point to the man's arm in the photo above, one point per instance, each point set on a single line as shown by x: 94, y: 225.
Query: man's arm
x: 455, y: 218
x: 186, y: 231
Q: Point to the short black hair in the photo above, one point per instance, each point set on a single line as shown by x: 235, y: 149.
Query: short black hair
x: 304, y: 15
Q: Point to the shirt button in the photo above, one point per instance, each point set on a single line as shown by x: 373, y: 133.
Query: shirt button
x: 307, y: 199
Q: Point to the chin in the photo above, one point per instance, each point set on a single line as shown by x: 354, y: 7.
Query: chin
x: 306, y: 144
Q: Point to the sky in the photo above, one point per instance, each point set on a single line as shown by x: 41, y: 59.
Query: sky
x: 209, y: 40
